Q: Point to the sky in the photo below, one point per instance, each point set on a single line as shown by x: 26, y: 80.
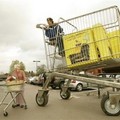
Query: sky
x: 19, y: 37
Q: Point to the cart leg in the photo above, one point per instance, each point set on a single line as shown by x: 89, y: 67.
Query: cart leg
x: 98, y: 91
x: 66, y: 86
x: 65, y: 92
x: 47, y: 82
x: 4, y: 98
x: 12, y: 97
x: 42, y: 95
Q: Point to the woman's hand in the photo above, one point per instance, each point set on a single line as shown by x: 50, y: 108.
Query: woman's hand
x: 9, y: 78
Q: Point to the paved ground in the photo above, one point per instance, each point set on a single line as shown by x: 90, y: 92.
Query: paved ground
x: 78, y: 107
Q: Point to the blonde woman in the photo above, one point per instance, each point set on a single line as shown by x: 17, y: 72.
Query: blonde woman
x: 19, y: 75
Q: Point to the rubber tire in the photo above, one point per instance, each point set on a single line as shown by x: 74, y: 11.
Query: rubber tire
x: 65, y: 95
x: 13, y: 106
x: 77, y: 87
x: 104, y: 107
x: 5, y: 114
x: 53, y: 86
x: 43, y: 100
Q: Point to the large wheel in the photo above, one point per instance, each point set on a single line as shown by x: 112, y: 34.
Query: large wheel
x: 79, y: 87
x: 42, y: 100
x: 65, y: 95
x: 108, y: 109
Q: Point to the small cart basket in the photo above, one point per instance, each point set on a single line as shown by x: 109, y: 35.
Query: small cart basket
x: 14, y: 88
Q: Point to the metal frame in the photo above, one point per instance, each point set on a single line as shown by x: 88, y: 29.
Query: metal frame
x: 108, y: 21
x: 13, y: 97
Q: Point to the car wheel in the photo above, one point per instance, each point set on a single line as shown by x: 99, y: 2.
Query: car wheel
x: 79, y: 87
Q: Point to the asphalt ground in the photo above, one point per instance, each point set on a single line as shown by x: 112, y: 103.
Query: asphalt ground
x: 78, y: 107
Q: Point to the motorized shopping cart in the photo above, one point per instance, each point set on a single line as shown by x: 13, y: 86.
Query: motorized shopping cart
x: 90, y: 41
x: 12, y: 88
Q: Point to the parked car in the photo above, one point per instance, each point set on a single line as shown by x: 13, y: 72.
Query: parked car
x: 35, y: 80
x: 57, y: 82
x: 3, y: 77
x: 77, y: 85
x: 110, y: 75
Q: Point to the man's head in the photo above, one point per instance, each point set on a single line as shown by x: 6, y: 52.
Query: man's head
x: 50, y: 21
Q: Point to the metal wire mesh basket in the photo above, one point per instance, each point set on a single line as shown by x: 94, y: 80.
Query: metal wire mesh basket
x: 89, y: 41
x: 15, y: 85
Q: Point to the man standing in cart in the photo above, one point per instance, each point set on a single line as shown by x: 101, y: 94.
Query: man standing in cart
x: 54, y: 32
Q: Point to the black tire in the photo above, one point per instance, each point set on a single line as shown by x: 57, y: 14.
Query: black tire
x: 79, y: 87
x: 13, y: 106
x: 108, y: 109
x: 53, y: 86
x: 43, y: 100
x: 5, y: 114
x: 65, y: 95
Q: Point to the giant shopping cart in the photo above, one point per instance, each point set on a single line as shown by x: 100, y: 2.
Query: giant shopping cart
x: 90, y: 41
x: 12, y: 88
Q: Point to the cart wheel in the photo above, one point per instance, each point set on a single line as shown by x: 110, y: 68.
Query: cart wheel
x: 25, y: 106
x: 53, y: 86
x: 13, y: 106
x: 5, y: 114
x: 65, y: 95
x: 111, y: 110
x: 43, y: 100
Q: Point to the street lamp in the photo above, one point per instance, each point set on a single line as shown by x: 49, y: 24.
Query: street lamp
x: 36, y: 61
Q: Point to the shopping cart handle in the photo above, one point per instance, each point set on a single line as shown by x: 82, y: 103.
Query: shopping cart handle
x: 42, y: 26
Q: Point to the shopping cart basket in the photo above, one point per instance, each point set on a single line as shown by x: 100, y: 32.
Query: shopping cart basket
x: 90, y: 41
x: 13, y: 88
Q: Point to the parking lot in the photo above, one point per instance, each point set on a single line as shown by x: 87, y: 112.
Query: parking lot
x: 78, y: 107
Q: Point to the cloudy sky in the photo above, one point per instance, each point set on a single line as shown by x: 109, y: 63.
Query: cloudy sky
x: 19, y: 38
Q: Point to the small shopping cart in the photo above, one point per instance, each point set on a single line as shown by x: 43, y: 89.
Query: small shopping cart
x: 91, y: 41
x: 12, y: 88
